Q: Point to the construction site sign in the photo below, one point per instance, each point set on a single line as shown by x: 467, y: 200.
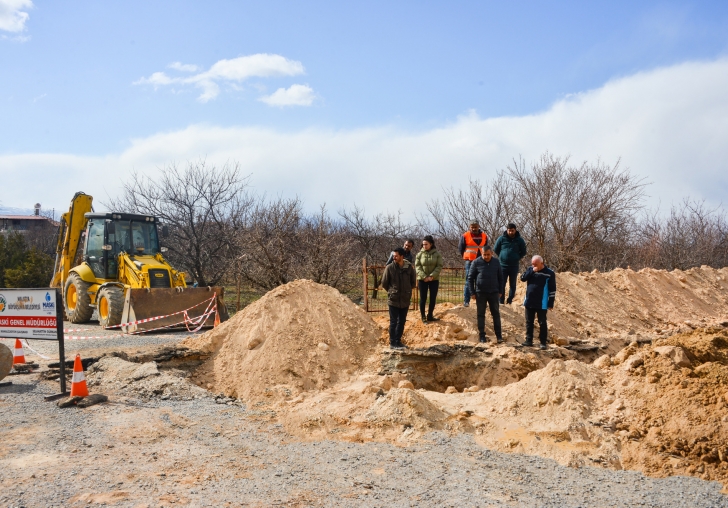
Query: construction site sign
x: 29, y: 314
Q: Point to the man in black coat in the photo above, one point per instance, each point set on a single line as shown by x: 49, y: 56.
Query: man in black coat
x: 398, y: 280
x: 540, y: 296
x: 485, y: 280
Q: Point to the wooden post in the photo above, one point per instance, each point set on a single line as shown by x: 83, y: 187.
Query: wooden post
x: 365, y: 283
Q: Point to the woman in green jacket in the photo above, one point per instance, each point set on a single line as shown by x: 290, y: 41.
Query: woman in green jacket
x: 428, y: 264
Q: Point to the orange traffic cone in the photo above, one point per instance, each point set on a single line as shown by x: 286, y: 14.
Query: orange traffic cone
x: 18, y: 354
x: 217, y: 318
x: 78, y: 383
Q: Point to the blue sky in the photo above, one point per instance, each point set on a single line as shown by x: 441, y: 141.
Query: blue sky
x: 339, y: 83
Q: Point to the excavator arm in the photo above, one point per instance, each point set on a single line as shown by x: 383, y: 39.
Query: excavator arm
x: 72, y: 226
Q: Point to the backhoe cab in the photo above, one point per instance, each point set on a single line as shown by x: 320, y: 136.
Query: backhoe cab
x: 113, y: 262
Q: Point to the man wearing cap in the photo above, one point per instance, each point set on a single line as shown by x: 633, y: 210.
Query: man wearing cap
x: 469, y: 247
x: 510, y: 249
x: 484, y: 280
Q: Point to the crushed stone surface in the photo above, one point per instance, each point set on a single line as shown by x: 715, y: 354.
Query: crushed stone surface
x: 202, y: 453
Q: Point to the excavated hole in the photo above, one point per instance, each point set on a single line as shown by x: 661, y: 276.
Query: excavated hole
x: 463, y: 366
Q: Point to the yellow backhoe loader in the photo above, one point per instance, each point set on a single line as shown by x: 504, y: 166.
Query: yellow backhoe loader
x: 113, y: 262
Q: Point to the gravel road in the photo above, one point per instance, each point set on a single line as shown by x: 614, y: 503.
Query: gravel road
x: 131, y: 452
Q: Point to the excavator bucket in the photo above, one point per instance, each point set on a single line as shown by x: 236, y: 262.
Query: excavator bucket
x: 160, y: 309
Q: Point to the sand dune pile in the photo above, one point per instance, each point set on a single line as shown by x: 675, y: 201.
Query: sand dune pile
x: 301, y: 336
x: 669, y: 405
x: 405, y: 407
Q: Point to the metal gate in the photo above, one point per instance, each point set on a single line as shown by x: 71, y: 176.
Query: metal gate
x: 452, y: 283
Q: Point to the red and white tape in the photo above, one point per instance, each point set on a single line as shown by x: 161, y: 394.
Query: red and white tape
x: 36, y: 352
x: 156, y: 318
x: 197, y: 322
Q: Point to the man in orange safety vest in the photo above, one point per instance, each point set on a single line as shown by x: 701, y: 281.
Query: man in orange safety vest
x: 469, y: 247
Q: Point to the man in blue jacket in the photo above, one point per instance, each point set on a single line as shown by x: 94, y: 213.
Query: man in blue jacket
x: 540, y: 295
x: 510, y: 249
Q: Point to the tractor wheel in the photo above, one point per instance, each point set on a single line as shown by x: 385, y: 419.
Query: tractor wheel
x: 77, y: 302
x: 110, y: 304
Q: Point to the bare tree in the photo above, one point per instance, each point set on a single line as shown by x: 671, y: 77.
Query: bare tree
x: 566, y: 213
x: 376, y: 236
x: 280, y: 243
x: 567, y: 210
x: 691, y: 235
x: 203, y: 206
x: 266, y: 245
x: 492, y: 204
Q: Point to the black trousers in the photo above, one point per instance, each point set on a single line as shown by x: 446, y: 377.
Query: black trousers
x: 510, y: 273
x: 432, y: 286
x: 397, y: 318
x: 542, y: 325
x: 491, y: 300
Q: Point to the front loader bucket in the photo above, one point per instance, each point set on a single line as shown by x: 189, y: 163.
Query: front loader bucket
x: 153, y: 309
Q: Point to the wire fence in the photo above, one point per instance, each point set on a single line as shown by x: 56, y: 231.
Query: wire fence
x: 452, y: 283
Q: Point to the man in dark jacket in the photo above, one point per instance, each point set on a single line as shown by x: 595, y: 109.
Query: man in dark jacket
x: 408, y: 244
x: 398, y: 280
x: 510, y: 249
x: 540, y: 296
x: 485, y: 281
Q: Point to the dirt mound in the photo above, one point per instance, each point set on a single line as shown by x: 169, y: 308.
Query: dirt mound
x: 670, y: 405
x: 300, y: 336
x: 403, y: 406
x: 115, y: 375
x: 558, y: 395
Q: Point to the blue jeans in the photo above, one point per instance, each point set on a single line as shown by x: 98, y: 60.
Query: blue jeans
x: 510, y: 274
x: 466, y: 291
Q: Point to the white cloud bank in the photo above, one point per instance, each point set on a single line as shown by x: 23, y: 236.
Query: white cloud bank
x: 13, y: 17
x: 669, y: 125
x: 295, y: 95
x: 236, y: 70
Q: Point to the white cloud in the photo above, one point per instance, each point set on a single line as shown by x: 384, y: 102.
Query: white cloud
x: 668, y: 125
x: 236, y: 70
x: 295, y: 95
x: 179, y: 66
x: 13, y: 16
